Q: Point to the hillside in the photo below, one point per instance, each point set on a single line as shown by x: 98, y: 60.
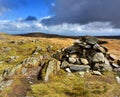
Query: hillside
x: 24, y: 60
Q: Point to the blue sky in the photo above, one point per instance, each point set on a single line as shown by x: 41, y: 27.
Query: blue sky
x: 24, y: 8
x: 65, y: 17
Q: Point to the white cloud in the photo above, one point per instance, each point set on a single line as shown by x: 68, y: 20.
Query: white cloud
x: 95, y: 28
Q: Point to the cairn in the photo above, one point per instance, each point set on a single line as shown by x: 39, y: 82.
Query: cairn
x: 87, y: 53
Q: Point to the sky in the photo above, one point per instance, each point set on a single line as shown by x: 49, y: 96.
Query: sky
x: 64, y: 17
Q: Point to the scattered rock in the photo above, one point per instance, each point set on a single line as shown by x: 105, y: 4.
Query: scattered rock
x: 118, y: 79
x: 68, y: 70
x: 97, y: 73
x: 82, y: 73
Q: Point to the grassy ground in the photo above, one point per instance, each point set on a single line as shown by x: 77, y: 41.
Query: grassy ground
x: 61, y: 84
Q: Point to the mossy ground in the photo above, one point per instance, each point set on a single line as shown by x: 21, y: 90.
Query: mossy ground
x: 61, y: 84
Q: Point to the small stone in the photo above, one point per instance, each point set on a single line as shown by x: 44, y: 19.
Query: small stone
x: 77, y: 41
x: 112, y: 57
x: 97, y: 73
x: 84, y: 61
x: 72, y: 60
x: 96, y: 46
x: 79, y: 68
x: 1, y: 62
x: 24, y: 70
x: 9, y: 82
x: 101, y: 49
x: 68, y: 70
x: 82, y: 73
x: 91, y: 40
x: 78, y: 61
x: 98, y: 57
x: 65, y: 64
x: 118, y: 79
x: 73, y: 55
x: 115, y: 65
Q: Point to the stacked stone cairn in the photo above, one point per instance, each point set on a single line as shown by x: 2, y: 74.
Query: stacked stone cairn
x: 87, y: 54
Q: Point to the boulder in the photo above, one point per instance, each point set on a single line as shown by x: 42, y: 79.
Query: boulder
x: 52, y: 68
x: 98, y: 57
x: 107, y: 65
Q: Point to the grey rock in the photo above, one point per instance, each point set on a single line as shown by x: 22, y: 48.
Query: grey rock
x: 68, y: 70
x: 82, y: 73
x: 96, y: 46
x: 12, y: 72
x: 5, y: 73
x: 96, y: 73
x: 77, y: 41
x: 49, y: 70
x: 115, y: 65
x: 1, y: 78
x: 2, y: 85
x: 58, y: 66
x: 84, y: 61
x: 107, y: 65
x: 91, y: 40
x: 78, y: 61
x: 98, y: 57
x: 5, y: 84
x: 79, y: 68
x: 72, y: 60
x: 118, y: 79
x: 24, y: 70
x: 101, y: 49
x: 9, y: 82
x: 73, y: 55
x: 1, y: 62
x: 112, y: 57
x: 65, y: 64
x: 71, y: 50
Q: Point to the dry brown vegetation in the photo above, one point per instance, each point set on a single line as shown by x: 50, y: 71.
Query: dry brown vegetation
x: 61, y: 85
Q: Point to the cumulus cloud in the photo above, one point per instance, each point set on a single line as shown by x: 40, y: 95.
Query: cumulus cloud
x: 95, y: 28
x: 85, y: 11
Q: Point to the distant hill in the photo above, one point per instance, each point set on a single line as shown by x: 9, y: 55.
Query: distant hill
x: 40, y: 34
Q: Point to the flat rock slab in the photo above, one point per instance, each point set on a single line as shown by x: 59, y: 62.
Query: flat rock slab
x: 79, y: 68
